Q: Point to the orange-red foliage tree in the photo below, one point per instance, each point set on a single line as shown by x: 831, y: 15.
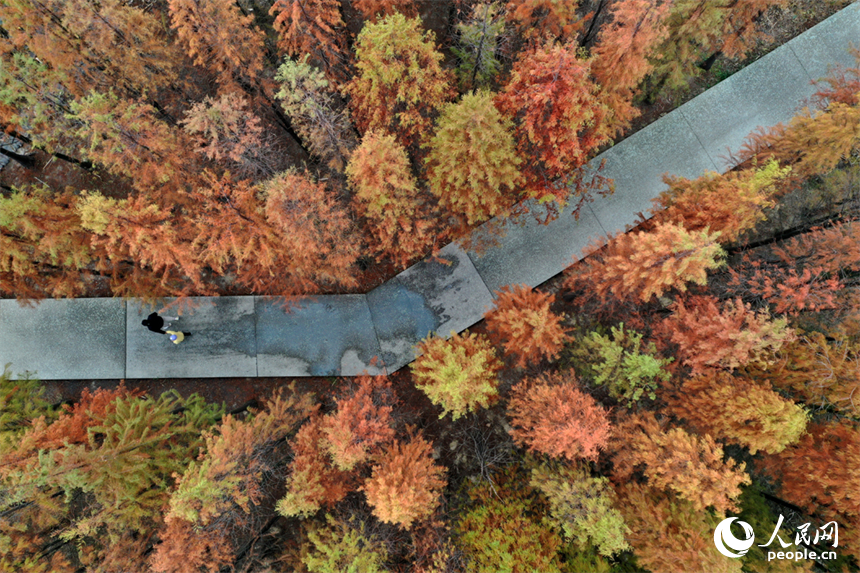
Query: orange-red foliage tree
x: 639, y: 265
x: 400, y: 80
x: 739, y: 410
x: 287, y: 236
x: 689, y: 465
x: 93, y: 46
x: 361, y: 424
x: 459, y: 374
x: 812, y: 143
x: 550, y: 415
x: 820, y: 474
x: 621, y: 55
x: 226, y: 130
x: 559, y: 120
x: 313, y: 27
x: 372, y: 10
x: 313, y: 481
x: 818, y: 370
x: 216, y: 35
x: 729, y: 203
x: 405, y: 484
x: 149, y: 248
x: 545, y: 19
x: 669, y: 534
x: 734, y: 336
x: 386, y: 194
x: 523, y: 324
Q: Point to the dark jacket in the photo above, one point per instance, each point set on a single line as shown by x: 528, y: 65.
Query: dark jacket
x: 154, y: 323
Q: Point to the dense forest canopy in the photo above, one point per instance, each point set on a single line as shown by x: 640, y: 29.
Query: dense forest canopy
x: 703, y: 365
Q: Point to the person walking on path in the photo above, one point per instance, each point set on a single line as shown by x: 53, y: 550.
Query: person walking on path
x: 177, y: 336
x: 156, y: 323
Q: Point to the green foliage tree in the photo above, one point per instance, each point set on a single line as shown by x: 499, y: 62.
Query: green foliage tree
x: 215, y: 494
x: 504, y: 531
x: 458, y: 374
x: 472, y: 162
x: 619, y: 362
x: 21, y: 401
x: 399, y: 82
x: 476, y: 46
x: 323, y: 125
x: 582, y: 507
x: 342, y: 547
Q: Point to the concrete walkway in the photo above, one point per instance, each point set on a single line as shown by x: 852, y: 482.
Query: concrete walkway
x: 347, y: 334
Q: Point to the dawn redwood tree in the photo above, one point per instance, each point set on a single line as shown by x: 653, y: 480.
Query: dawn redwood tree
x: 458, y: 374
x: 820, y: 473
x: 44, y: 250
x: 342, y: 545
x: 669, y: 534
x: 472, y: 164
x: 477, y: 41
x: 372, y: 10
x: 544, y: 19
x: 502, y: 531
x: 315, y: 28
x: 729, y: 337
x: 812, y: 143
x: 621, y: 56
x: 621, y: 362
x: 550, y: 415
x: 286, y: 236
x: 150, y: 249
x: 699, y: 29
x: 523, y: 324
x: 582, y: 507
x: 729, y: 203
x: 558, y: 117
x: 387, y: 196
x: 98, y: 45
x: 400, y: 81
x: 323, y: 125
x: 126, y: 137
x: 226, y: 130
x: 405, y: 483
x: 739, y: 410
x: 218, y: 493
x: 818, y: 369
x: 689, y: 465
x: 361, y: 424
x: 217, y: 36
x: 313, y: 482
x: 641, y: 264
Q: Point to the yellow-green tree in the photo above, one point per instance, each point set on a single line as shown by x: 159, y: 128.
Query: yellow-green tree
x: 472, y: 162
x: 400, y: 81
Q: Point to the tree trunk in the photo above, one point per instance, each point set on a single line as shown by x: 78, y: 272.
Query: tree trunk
x: 26, y: 161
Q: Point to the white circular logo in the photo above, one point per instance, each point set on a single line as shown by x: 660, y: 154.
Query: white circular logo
x: 723, y: 537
